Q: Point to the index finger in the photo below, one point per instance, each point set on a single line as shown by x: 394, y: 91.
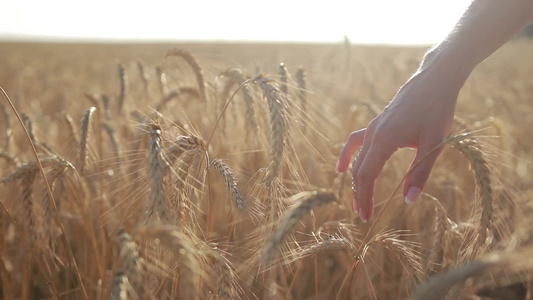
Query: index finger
x: 354, y: 142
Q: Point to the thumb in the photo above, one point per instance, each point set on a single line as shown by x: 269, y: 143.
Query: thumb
x: 354, y: 142
x: 420, y: 169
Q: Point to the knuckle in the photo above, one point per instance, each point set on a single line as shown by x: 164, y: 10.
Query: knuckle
x: 363, y: 176
x: 420, y: 174
x: 380, y: 136
x: 373, y: 125
x: 353, y: 135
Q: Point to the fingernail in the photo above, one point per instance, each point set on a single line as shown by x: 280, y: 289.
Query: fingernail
x: 412, y: 194
x: 362, y: 216
x: 337, y: 167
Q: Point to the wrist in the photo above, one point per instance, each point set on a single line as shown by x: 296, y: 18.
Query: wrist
x: 449, y: 63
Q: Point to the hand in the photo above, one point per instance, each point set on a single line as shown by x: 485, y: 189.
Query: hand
x: 419, y: 116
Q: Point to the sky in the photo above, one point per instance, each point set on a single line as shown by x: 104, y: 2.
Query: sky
x: 362, y: 21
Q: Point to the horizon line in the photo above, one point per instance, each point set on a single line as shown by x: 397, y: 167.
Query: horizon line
x: 13, y: 37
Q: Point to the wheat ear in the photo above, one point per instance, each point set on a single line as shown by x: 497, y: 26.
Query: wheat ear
x: 29, y: 127
x: 231, y: 182
x: 26, y: 184
x: 275, y: 99
x: 185, y: 90
x: 227, y: 279
x: 114, y: 142
x: 306, y: 201
x: 123, y: 77
x: 301, y: 78
x: 105, y: 103
x: 162, y: 78
x: 237, y: 76
x: 64, y: 240
x: 441, y: 226
x: 27, y: 168
x: 437, y: 287
x: 71, y: 128
x: 84, y: 140
x: 131, y: 262
x: 283, y: 73
x: 322, y: 245
x: 145, y: 78
x: 120, y: 287
x: 41, y: 146
x: 158, y: 199
x: 470, y: 148
x: 404, y: 250
x: 183, y: 247
x: 9, y: 130
x: 184, y: 143
x: 9, y: 159
x: 189, y: 58
x: 53, y: 174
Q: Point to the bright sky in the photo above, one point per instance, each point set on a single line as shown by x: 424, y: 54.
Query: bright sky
x: 363, y: 21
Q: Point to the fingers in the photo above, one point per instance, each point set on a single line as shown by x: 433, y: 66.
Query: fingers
x: 366, y: 171
x: 374, y: 153
x: 354, y: 142
x: 421, y: 167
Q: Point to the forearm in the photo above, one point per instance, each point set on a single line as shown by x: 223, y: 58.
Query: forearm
x: 484, y: 27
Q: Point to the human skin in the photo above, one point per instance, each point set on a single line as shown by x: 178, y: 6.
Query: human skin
x: 421, y: 114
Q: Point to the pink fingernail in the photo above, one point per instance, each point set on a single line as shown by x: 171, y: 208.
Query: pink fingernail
x: 337, y: 167
x: 362, y: 216
x: 412, y: 194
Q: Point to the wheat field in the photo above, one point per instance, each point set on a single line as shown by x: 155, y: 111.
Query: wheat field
x: 207, y: 171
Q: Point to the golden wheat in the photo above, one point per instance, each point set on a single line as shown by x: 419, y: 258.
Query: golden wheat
x: 129, y: 208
